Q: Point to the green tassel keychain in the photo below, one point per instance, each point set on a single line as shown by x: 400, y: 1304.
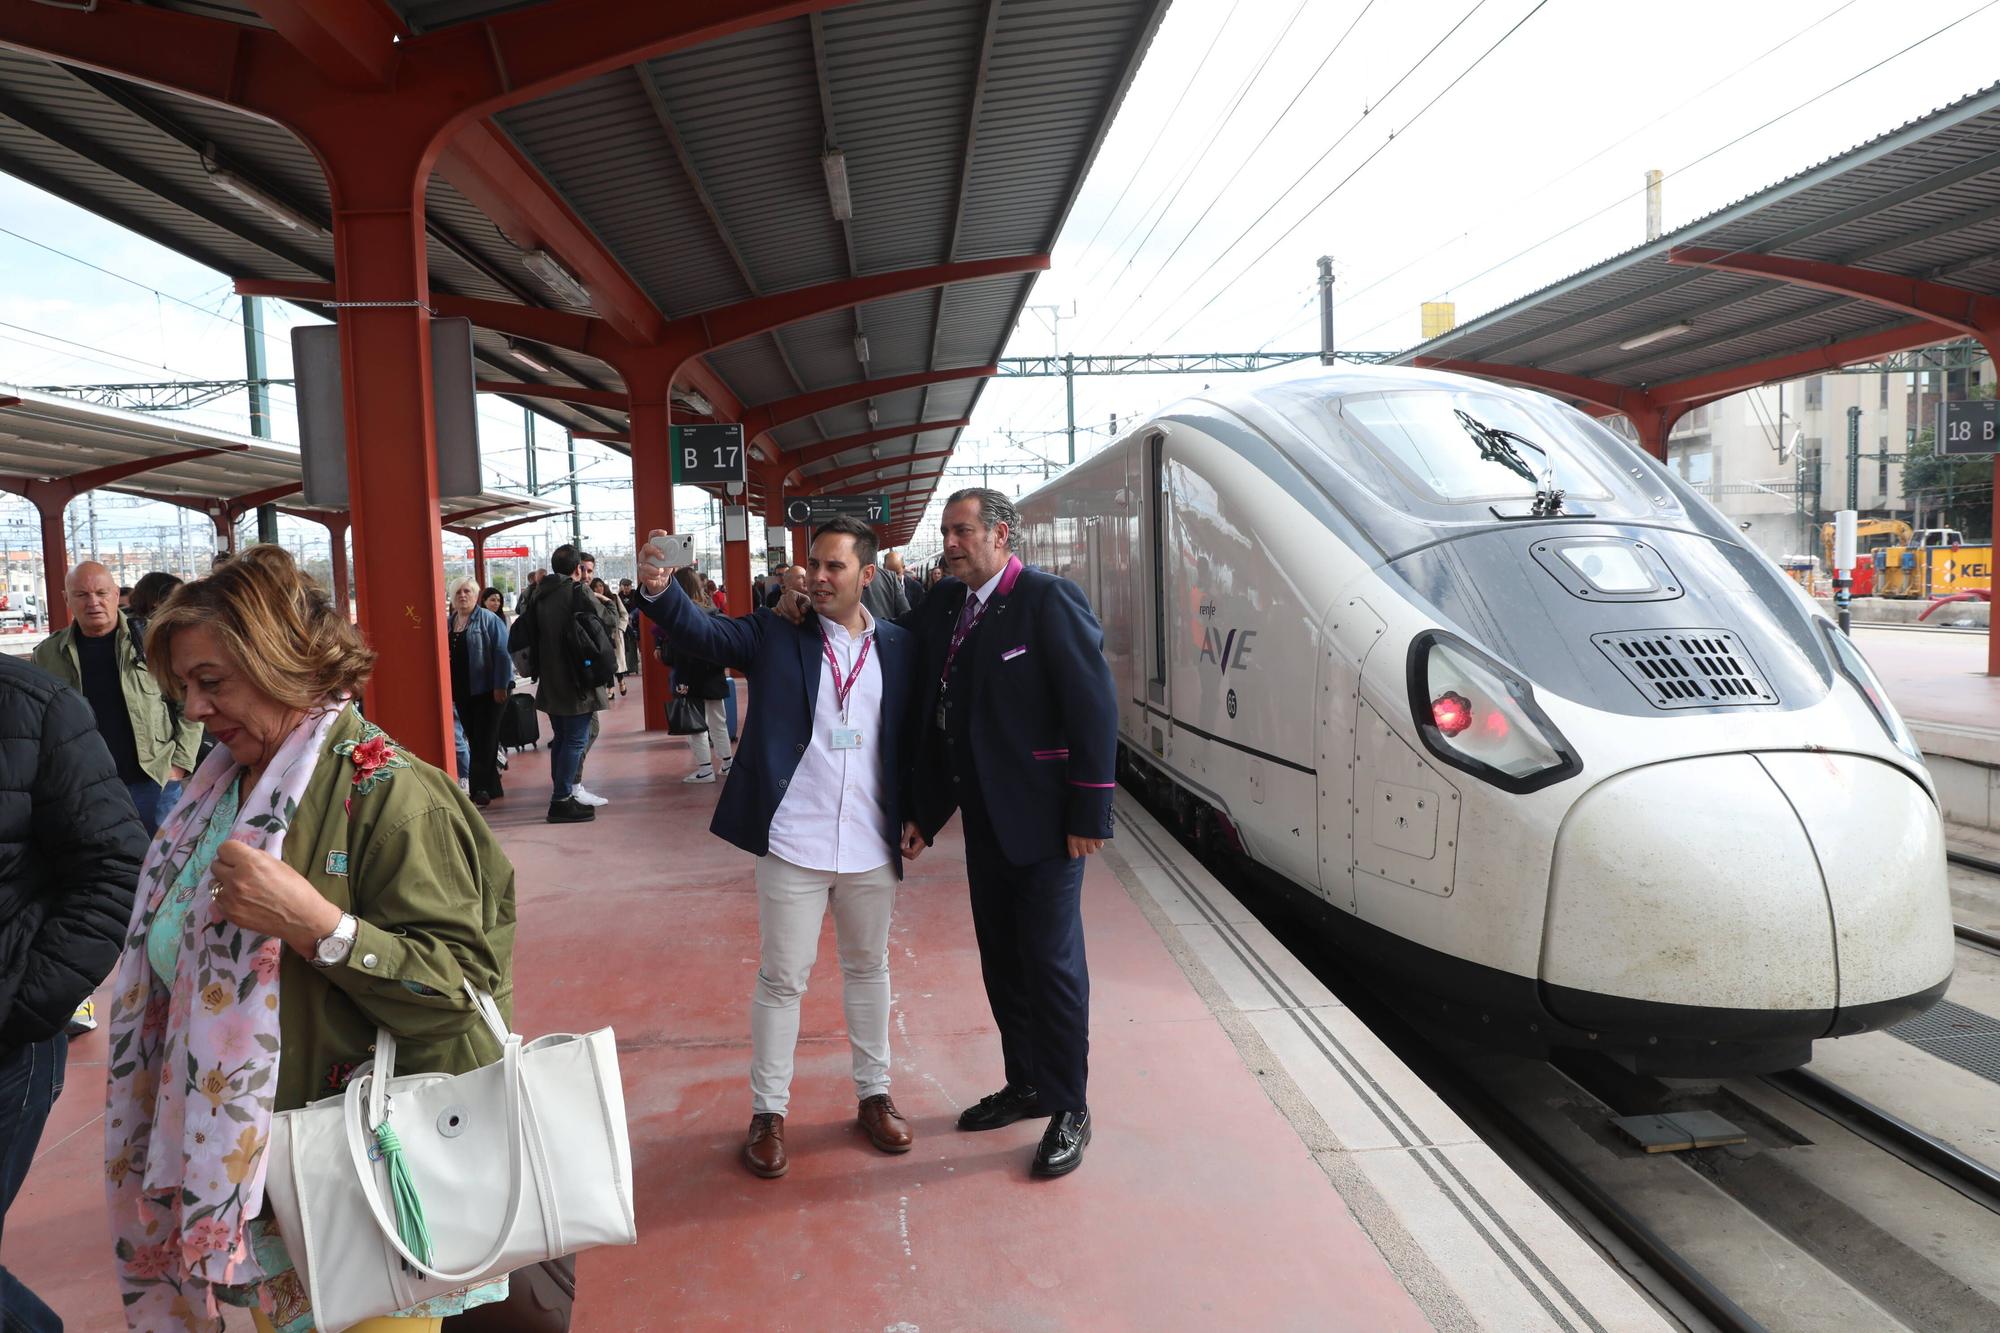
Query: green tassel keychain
x: 410, y: 1224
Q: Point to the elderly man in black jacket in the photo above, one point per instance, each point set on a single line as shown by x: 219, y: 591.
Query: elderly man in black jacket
x: 70, y: 847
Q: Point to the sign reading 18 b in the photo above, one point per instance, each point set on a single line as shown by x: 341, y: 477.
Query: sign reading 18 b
x: 1968, y: 428
x: 707, y: 455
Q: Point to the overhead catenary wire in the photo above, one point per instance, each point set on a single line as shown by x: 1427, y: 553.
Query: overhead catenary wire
x: 1342, y: 183
x: 1628, y: 196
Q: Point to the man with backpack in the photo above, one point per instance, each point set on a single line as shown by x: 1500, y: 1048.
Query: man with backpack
x: 573, y: 664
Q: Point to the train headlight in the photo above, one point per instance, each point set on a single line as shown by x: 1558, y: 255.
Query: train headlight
x: 1855, y: 667
x: 1477, y: 715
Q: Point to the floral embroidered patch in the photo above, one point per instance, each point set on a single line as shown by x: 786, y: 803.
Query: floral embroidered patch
x: 374, y: 756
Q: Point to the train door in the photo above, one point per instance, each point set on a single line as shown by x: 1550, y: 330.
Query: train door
x: 1093, y: 565
x: 1154, y: 656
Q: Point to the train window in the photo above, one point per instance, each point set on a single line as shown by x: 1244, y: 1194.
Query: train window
x: 1156, y: 509
x: 1610, y: 566
x: 1468, y: 446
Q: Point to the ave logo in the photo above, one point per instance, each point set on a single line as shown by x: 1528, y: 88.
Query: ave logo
x: 1229, y: 650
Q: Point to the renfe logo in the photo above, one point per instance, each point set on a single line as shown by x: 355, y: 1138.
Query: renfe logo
x: 1229, y: 651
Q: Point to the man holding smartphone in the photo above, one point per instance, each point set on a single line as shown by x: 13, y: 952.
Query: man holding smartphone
x: 815, y: 796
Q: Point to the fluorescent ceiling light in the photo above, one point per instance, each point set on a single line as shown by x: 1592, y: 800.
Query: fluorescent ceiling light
x: 555, y: 277
x: 527, y: 358
x: 834, y: 163
x: 861, y: 348
x: 697, y: 403
x: 260, y: 199
x: 1671, y: 331
x: 874, y: 417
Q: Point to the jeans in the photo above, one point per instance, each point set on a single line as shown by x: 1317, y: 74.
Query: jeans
x: 463, y: 752
x: 568, y: 737
x: 153, y: 801
x: 791, y: 903
x: 31, y: 1078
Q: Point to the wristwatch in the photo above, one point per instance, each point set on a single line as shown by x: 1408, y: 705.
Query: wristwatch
x: 332, y: 950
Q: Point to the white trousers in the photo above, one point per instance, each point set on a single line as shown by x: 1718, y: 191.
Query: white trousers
x: 713, y: 744
x: 791, y: 904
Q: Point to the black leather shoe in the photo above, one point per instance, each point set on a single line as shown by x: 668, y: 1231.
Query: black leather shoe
x: 1063, y: 1142
x: 1004, y: 1107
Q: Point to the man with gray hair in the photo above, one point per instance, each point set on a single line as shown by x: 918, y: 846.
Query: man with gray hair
x: 1014, y: 725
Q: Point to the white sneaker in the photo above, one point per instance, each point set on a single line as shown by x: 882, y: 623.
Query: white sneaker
x: 587, y: 797
x: 700, y: 775
x: 727, y: 766
x: 84, y: 1019
x: 465, y: 785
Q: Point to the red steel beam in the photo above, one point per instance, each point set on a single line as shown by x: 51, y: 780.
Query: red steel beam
x: 1831, y: 356
x: 1968, y: 311
x: 562, y: 393
x: 819, y: 453
x: 353, y: 44
x: 819, y: 481
x: 766, y: 417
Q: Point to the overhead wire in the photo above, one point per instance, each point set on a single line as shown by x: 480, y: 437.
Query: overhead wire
x: 1628, y: 196
x: 1359, y: 167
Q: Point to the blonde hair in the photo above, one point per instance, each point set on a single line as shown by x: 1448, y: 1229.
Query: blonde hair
x: 279, y: 626
x: 467, y: 581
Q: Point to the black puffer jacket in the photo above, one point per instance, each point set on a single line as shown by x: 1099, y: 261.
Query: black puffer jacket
x: 70, y: 847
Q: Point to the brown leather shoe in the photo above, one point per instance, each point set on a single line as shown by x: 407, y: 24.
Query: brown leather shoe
x: 886, y: 1127
x: 764, y: 1147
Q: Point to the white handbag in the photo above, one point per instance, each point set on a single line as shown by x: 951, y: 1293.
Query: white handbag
x: 523, y: 1160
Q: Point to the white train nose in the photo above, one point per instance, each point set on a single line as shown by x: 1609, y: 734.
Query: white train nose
x: 1789, y: 887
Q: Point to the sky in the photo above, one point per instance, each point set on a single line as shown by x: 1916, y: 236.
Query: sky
x: 1470, y: 151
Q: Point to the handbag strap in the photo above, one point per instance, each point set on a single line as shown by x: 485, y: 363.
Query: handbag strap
x: 376, y: 1075
x: 358, y: 1139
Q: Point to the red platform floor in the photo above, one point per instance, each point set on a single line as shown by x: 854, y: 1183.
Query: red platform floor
x: 1197, y: 1207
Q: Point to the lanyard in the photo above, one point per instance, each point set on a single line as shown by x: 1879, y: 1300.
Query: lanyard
x: 841, y: 690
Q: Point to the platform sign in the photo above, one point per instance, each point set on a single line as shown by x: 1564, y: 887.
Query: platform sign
x: 501, y: 553
x: 806, y: 510
x: 1968, y: 428
x: 709, y: 455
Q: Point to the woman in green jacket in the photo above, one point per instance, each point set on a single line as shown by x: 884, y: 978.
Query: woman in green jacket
x: 316, y: 882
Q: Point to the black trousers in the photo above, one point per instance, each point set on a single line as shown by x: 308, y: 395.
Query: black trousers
x: 481, y: 716
x: 1029, y: 923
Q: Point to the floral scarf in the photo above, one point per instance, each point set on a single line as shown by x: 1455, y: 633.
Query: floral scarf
x: 194, y: 1065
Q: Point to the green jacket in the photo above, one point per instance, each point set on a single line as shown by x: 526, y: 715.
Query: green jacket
x: 415, y: 863
x: 164, y: 739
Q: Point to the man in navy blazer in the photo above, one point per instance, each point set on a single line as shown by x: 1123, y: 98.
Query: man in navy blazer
x: 816, y: 797
x: 1014, y: 725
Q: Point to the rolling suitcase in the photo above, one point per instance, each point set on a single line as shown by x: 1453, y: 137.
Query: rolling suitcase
x: 520, y: 724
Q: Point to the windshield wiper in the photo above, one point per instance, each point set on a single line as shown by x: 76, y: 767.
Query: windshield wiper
x: 1497, y: 446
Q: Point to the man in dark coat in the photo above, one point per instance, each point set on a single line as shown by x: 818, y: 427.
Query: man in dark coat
x: 1014, y: 726
x: 70, y: 847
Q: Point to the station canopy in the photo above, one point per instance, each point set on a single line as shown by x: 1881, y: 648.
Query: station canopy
x: 1891, y: 246
x: 924, y: 154
x: 51, y: 443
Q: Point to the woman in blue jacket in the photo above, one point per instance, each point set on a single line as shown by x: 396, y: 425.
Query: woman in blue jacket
x: 482, y: 676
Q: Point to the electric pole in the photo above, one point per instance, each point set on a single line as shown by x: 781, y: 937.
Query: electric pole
x: 1326, y: 310
x: 260, y: 402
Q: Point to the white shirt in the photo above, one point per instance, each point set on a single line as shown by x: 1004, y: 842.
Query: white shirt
x: 831, y: 817
x: 984, y: 592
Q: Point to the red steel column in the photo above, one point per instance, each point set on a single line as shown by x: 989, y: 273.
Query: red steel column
x: 736, y: 563
x: 802, y: 540
x: 478, y: 540
x: 380, y: 278
x: 55, y: 561
x: 652, y: 507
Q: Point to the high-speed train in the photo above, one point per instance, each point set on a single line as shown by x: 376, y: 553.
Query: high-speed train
x: 1566, y: 762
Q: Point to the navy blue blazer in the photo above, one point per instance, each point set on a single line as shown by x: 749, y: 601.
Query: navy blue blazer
x: 1044, y: 716
x: 783, y: 662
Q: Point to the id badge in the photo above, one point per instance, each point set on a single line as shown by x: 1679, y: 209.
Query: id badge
x: 847, y: 738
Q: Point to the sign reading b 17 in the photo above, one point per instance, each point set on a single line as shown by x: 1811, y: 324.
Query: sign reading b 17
x: 708, y: 455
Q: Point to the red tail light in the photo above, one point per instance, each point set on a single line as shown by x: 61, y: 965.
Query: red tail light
x: 1452, y: 712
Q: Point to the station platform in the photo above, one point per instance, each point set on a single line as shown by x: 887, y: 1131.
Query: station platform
x: 1937, y: 680
x: 1259, y: 1159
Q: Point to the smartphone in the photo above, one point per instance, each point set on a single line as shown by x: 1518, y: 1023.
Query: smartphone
x: 675, y: 550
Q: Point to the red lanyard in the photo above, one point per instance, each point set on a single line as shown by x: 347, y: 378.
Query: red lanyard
x: 843, y: 689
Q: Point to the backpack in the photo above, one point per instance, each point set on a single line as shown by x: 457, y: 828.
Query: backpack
x: 592, y: 658
x: 524, y: 639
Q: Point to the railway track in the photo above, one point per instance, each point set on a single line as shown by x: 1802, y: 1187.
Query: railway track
x: 1985, y: 939
x: 1627, y: 1227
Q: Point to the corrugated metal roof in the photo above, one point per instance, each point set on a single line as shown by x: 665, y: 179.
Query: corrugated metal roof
x: 1922, y: 200
x: 966, y: 125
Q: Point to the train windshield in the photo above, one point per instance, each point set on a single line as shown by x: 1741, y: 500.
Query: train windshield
x: 1466, y: 446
